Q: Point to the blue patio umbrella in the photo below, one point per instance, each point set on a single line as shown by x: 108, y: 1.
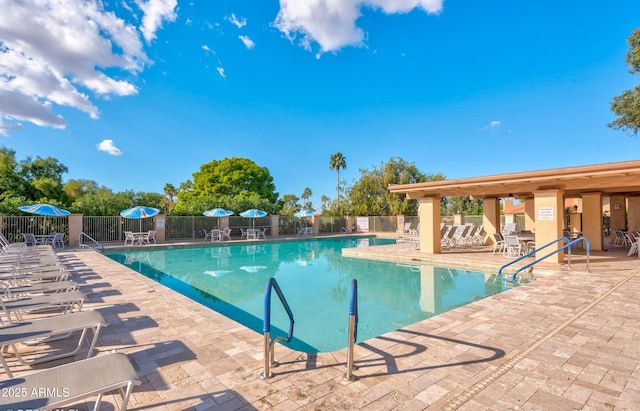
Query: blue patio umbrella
x: 253, y: 214
x: 218, y: 212
x: 305, y: 213
x: 46, y: 210
x: 139, y: 212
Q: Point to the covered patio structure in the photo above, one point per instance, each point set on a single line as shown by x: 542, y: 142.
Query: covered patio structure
x: 544, y: 193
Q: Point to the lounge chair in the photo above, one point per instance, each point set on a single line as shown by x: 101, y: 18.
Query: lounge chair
x: 46, y: 330
x: 65, y: 302
x: 70, y: 383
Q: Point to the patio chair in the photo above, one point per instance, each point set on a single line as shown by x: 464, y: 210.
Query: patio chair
x: 225, y: 234
x: 129, y: 238
x: 498, y: 243
x: 82, y: 379
x: 149, y: 237
x: 207, y: 235
x: 619, y: 240
x: 29, y: 239
x: 261, y: 234
x: 47, y: 330
x: 57, y: 240
x: 512, y: 246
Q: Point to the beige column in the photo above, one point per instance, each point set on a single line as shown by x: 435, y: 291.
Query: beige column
x: 75, y: 228
x: 224, y: 222
x: 529, y: 215
x: 159, y: 223
x: 592, y: 219
x: 275, y: 226
x: 549, y: 215
x: 457, y: 219
x: 429, y: 214
x: 633, y: 218
x: 491, y: 217
x: 575, y: 221
x: 618, y: 216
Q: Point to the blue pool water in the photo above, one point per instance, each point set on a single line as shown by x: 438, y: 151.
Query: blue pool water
x: 315, y: 280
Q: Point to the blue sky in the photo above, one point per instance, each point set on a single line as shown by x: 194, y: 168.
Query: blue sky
x: 136, y: 94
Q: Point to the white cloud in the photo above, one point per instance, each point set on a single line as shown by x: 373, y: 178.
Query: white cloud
x: 155, y: 13
x: 108, y: 147
x: 239, y: 23
x: 55, y: 52
x: 248, y: 43
x: 493, y: 124
x: 221, y: 72
x: 332, y: 24
x: 208, y: 49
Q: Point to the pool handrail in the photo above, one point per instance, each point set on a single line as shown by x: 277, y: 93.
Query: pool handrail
x: 353, y: 330
x: 568, y: 246
x: 82, y: 244
x: 269, y: 342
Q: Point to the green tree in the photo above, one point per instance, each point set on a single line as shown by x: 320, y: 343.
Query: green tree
x: 627, y: 105
x: 337, y: 162
x: 462, y: 205
x: 45, y: 179
x: 233, y: 177
x: 290, y: 205
x: 306, y: 196
x: 77, y: 188
x: 326, y: 203
x: 12, y: 184
x: 370, y: 195
x: 170, y: 191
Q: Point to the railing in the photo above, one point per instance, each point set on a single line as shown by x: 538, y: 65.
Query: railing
x: 566, y: 246
x: 269, y: 343
x: 84, y: 235
x: 353, y: 330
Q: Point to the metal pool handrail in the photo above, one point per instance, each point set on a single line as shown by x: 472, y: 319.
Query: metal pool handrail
x: 353, y: 330
x: 268, y: 342
x: 566, y: 246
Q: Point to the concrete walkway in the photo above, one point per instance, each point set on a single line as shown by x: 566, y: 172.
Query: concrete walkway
x: 566, y: 341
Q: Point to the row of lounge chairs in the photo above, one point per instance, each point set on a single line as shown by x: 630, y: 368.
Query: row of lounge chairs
x: 461, y: 235
x: 40, y: 317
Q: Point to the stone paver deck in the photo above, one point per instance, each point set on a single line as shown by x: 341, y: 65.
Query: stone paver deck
x: 566, y: 341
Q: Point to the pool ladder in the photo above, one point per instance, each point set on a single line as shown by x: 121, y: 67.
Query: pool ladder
x: 269, y: 343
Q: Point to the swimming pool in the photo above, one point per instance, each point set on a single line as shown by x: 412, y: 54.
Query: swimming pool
x: 315, y: 280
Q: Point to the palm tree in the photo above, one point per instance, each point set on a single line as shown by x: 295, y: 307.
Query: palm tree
x: 306, y: 195
x: 170, y: 191
x: 337, y: 162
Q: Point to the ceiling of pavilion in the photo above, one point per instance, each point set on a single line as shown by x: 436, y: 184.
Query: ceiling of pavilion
x: 621, y: 178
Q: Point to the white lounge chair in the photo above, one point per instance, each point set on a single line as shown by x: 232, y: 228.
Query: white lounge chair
x: 77, y: 380
x: 49, y: 329
x: 65, y: 302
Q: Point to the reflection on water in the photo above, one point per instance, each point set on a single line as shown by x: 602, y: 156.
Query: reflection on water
x: 315, y: 280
